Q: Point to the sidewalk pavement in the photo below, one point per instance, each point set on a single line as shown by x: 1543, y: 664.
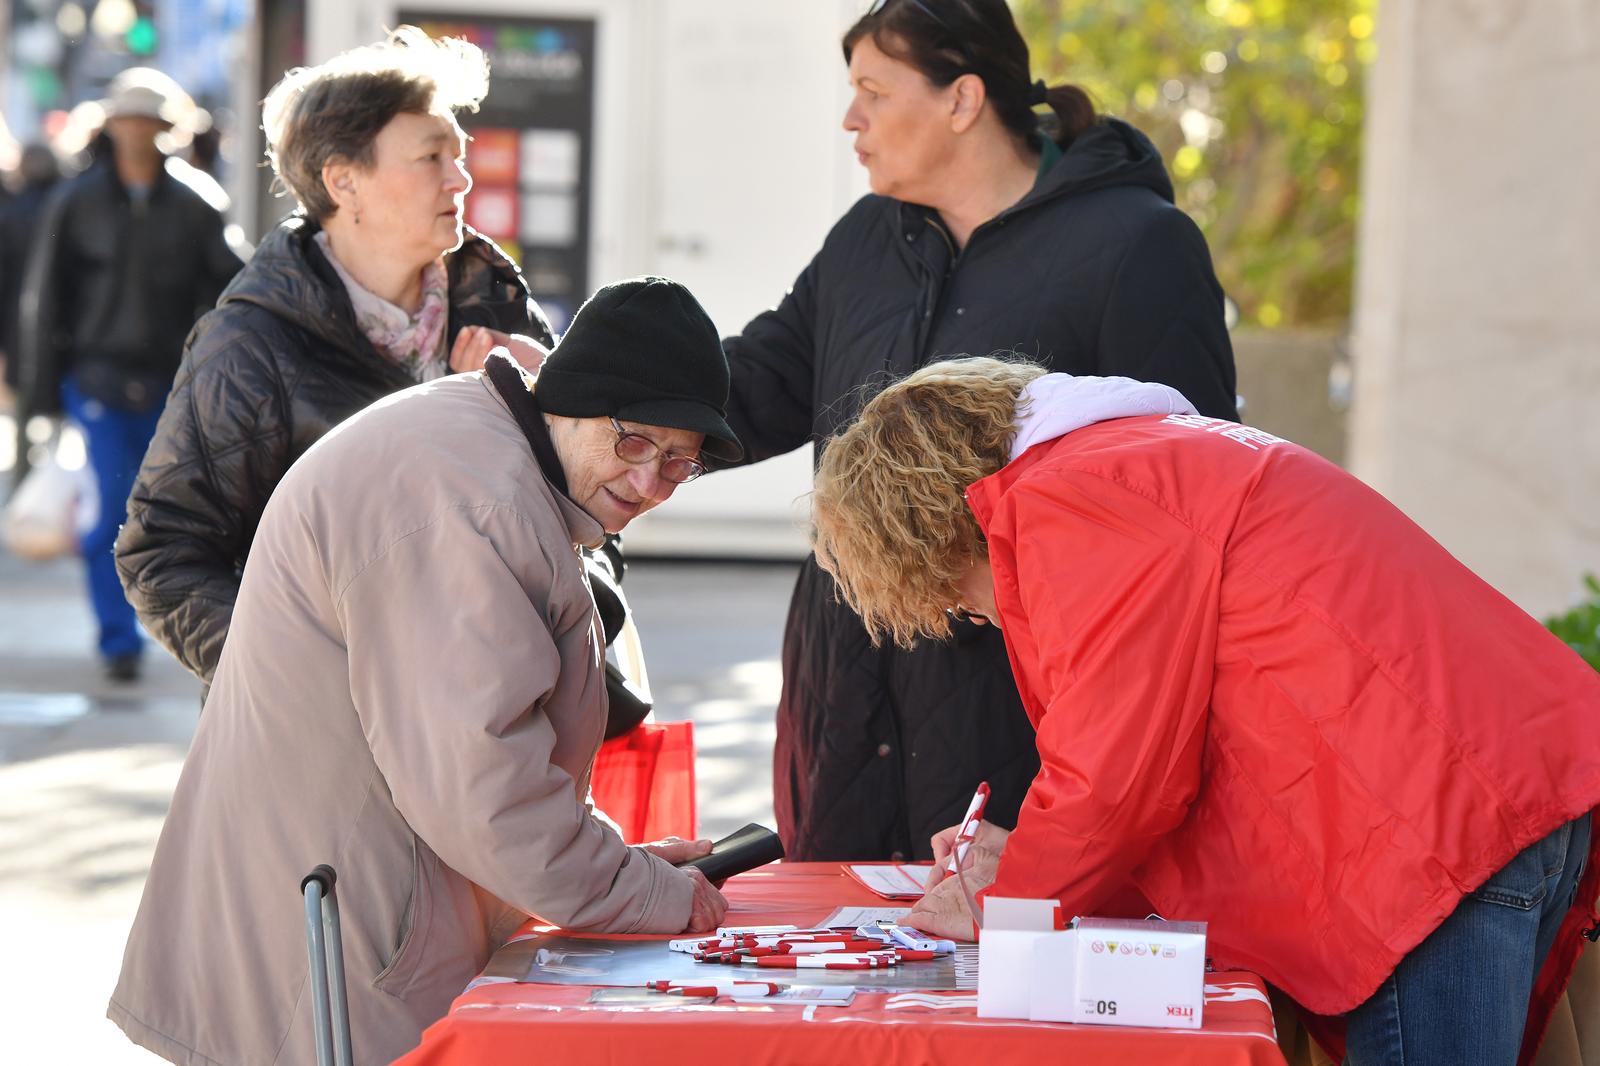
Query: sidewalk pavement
x: 87, y: 770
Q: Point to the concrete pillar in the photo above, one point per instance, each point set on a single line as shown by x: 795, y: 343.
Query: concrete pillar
x: 1477, y: 334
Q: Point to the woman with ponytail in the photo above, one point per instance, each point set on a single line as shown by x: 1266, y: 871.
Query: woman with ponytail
x: 991, y: 225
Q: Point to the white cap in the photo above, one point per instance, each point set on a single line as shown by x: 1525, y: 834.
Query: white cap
x: 142, y: 92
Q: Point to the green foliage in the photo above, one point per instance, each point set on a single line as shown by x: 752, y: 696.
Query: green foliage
x: 1257, y: 107
x: 1580, y: 627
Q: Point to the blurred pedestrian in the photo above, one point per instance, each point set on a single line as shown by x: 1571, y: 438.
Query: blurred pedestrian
x: 37, y: 173
x: 10, y: 157
x: 205, y: 151
x: 126, y: 257
x: 986, y: 229
x: 373, y: 285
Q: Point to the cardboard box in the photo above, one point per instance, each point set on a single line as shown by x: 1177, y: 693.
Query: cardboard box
x: 1139, y: 973
x: 1102, y: 972
x: 1053, y: 977
x: 1005, y: 952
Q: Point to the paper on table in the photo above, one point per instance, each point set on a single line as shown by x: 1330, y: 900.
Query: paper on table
x: 853, y: 917
x: 892, y: 880
x: 757, y: 930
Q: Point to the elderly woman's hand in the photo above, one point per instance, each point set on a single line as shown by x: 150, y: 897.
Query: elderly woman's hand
x: 989, y: 836
x: 676, y: 849
x: 708, y: 907
x: 474, y: 343
x: 943, y: 911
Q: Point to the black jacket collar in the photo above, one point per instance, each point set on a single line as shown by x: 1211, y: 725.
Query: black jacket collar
x: 515, y: 387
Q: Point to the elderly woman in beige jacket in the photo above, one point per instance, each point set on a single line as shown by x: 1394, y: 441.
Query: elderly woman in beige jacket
x: 413, y: 691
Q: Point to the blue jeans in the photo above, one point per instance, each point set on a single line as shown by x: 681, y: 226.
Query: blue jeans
x: 116, y: 442
x: 1461, y: 996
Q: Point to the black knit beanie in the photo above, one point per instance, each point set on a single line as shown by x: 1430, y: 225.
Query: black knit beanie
x: 643, y: 350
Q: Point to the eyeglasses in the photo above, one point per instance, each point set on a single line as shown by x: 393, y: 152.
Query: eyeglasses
x: 638, y: 449
x: 962, y: 614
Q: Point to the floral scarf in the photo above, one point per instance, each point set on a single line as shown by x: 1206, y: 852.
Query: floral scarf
x: 415, y: 342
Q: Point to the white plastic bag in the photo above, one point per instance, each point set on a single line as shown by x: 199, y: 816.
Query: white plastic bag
x: 39, y: 521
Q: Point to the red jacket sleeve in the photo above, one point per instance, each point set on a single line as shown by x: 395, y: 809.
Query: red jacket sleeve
x: 1110, y: 606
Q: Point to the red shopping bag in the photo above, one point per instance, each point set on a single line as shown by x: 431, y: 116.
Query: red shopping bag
x: 644, y: 780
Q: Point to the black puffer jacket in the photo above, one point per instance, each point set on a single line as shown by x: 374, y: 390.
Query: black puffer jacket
x: 114, y: 283
x: 279, y: 363
x: 1093, y: 272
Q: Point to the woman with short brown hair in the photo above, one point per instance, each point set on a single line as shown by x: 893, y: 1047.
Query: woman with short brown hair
x: 374, y: 285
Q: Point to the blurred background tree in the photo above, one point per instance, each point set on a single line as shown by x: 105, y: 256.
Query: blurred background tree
x: 1580, y: 626
x: 1256, y: 106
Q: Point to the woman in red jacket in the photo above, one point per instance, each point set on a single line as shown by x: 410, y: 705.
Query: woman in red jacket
x: 1264, y: 698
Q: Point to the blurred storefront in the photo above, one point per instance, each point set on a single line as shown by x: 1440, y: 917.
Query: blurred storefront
x: 57, y: 54
x: 532, y: 149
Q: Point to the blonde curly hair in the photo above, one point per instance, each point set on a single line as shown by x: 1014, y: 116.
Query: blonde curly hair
x: 890, y: 515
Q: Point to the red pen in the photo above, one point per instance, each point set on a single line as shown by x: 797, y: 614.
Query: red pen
x: 767, y: 938
x: 820, y: 962
x: 969, y: 825
x: 672, y: 988
x: 795, y: 947
x: 766, y: 988
x: 910, y: 955
x: 804, y: 938
x: 734, y: 954
x: 789, y: 947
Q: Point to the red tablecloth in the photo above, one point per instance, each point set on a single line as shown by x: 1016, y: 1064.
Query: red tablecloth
x: 506, y: 1023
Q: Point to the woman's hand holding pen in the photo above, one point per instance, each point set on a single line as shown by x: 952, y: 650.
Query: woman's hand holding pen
x: 943, y: 911
x: 990, y: 838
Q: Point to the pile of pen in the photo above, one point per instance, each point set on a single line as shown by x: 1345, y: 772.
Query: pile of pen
x: 811, y: 949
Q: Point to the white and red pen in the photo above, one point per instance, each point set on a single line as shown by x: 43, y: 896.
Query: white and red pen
x: 823, y: 962
x: 784, y: 947
x: 754, y: 988
x: 969, y: 826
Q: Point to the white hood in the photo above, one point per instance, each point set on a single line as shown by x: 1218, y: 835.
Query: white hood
x: 1056, y: 404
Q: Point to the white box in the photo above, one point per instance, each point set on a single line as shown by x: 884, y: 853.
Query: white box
x: 1005, y: 952
x: 1149, y: 973
x: 1053, y: 977
x: 1005, y: 972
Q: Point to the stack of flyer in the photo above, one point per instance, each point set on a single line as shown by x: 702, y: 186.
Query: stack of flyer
x: 892, y: 880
